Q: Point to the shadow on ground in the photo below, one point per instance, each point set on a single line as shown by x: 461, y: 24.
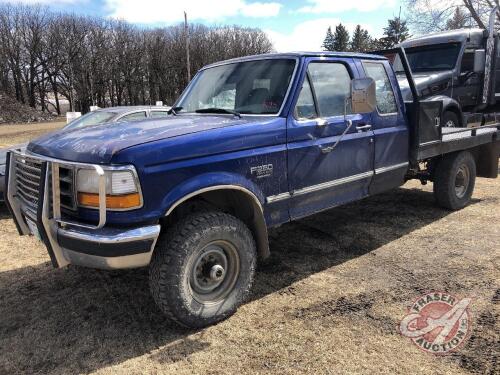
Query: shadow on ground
x: 79, y: 320
x: 4, y: 212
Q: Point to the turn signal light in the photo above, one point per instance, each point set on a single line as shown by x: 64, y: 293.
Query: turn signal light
x: 118, y: 202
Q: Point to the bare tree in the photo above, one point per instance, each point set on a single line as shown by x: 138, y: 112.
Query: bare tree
x: 46, y: 56
x: 432, y: 15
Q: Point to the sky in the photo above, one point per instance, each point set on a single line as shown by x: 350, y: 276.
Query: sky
x: 292, y: 25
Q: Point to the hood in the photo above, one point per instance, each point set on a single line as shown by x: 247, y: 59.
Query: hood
x: 98, y: 144
x: 424, y: 81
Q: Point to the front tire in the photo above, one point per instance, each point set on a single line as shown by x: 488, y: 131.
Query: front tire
x: 454, y: 180
x: 450, y: 120
x: 203, y: 268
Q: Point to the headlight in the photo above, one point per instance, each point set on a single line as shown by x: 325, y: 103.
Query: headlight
x: 122, y: 189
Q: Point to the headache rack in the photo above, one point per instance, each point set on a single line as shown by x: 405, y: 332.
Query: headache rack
x: 428, y: 138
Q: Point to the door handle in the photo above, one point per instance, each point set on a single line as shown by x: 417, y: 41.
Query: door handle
x: 326, y: 149
x: 363, y: 127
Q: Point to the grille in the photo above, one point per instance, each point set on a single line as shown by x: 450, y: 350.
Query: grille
x: 28, y: 172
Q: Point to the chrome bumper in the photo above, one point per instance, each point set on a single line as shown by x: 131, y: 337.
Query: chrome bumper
x: 108, y: 248
x: 70, y: 242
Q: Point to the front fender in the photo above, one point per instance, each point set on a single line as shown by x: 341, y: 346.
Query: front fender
x: 449, y: 104
x: 225, y: 181
x: 209, y: 180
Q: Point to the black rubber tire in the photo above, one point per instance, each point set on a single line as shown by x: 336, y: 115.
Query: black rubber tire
x: 449, y: 116
x: 172, y: 260
x: 444, y: 180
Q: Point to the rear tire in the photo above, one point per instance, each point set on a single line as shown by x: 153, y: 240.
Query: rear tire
x: 450, y: 120
x: 203, y: 268
x: 454, y: 180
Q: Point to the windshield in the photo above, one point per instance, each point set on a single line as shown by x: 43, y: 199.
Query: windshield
x: 251, y: 87
x: 432, y: 58
x: 89, y: 119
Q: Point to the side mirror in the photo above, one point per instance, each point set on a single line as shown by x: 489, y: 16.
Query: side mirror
x: 363, y: 95
x: 479, y: 60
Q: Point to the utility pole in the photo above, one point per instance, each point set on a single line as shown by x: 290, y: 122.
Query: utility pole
x: 398, y: 32
x: 186, y: 29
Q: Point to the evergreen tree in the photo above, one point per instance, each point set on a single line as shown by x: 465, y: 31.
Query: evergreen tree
x: 361, y: 40
x: 396, y: 32
x: 341, y: 36
x: 458, y: 21
x: 329, y: 42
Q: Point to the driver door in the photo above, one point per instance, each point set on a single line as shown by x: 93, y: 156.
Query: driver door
x: 319, y: 177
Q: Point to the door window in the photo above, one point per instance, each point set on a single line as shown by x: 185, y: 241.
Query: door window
x: 305, y: 108
x: 332, y: 85
x: 385, y: 96
x: 134, y: 116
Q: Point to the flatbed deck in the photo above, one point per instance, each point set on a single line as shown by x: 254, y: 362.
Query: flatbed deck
x: 457, y: 139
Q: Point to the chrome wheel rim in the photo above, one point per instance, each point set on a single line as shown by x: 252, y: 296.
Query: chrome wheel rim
x: 214, y: 272
x: 450, y: 124
x: 462, y: 180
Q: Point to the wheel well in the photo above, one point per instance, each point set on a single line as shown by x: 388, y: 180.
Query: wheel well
x: 456, y: 111
x: 237, y: 202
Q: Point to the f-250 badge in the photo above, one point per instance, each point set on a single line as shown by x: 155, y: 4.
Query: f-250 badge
x: 261, y: 171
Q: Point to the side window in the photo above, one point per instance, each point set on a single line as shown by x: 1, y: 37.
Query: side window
x: 305, y: 108
x: 467, y: 64
x: 385, y: 96
x: 158, y: 114
x: 332, y: 84
x: 134, y: 116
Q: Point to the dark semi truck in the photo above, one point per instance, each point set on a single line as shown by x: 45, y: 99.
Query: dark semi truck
x: 459, y: 68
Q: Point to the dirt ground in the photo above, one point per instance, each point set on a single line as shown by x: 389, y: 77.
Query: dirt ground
x: 329, y: 300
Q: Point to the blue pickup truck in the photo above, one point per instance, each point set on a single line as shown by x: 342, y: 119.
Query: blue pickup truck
x: 252, y: 143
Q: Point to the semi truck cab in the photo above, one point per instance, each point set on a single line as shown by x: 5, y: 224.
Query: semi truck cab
x: 459, y: 68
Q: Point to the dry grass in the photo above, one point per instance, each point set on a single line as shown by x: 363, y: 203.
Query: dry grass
x: 328, y: 301
x: 14, y: 134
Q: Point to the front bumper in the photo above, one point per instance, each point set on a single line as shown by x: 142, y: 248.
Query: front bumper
x: 70, y: 242
x: 108, y: 248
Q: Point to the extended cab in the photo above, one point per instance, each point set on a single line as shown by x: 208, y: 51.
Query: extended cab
x: 252, y: 143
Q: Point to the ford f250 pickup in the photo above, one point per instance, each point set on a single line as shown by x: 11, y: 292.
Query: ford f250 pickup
x: 252, y: 143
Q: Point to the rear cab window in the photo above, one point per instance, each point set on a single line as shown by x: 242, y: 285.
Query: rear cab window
x: 386, y: 102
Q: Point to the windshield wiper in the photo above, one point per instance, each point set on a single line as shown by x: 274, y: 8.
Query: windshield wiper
x: 218, y: 110
x: 173, y: 110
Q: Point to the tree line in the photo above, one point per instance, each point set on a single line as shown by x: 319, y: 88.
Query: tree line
x: 340, y: 40
x: 425, y: 16
x: 47, y: 56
